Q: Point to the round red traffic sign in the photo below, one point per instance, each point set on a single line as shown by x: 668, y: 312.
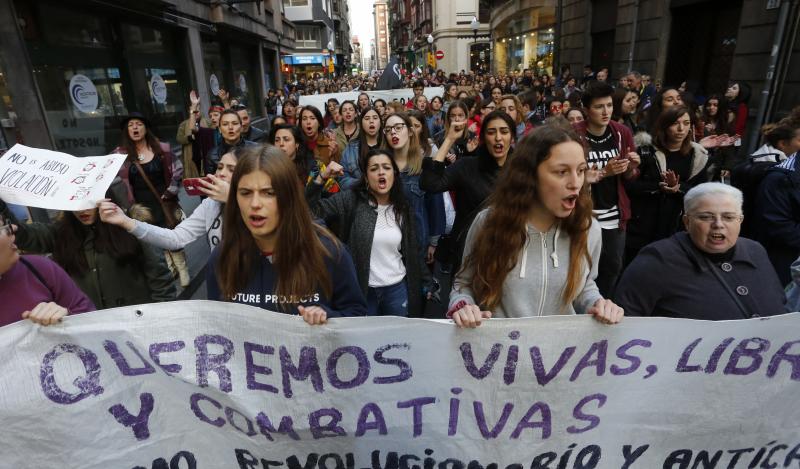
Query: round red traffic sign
x: 439, y: 54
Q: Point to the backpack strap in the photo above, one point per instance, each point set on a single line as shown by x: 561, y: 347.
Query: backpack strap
x: 38, y: 275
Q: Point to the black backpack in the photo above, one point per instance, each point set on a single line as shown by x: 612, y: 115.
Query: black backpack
x: 747, y: 177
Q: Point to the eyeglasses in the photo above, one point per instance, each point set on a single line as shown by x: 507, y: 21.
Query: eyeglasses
x: 726, y: 218
x: 397, y: 128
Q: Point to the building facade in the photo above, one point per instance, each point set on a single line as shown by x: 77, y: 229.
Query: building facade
x: 523, y: 35
x: 315, y: 44
x: 72, y: 69
x: 450, y: 26
x: 357, y: 57
x: 343, y: 48
x: 382, y: 39
x: 706, y: 43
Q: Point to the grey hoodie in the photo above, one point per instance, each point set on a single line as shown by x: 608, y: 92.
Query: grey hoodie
x: 535, y: 284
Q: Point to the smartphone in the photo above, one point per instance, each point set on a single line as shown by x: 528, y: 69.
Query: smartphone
x: 192, y: 186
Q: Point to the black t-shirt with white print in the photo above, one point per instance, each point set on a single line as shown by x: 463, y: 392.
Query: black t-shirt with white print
x: 603, y: 149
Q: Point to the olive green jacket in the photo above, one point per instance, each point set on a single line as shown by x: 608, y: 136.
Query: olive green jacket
x: 107, y: 283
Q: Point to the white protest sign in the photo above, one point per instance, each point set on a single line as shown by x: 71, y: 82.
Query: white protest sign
x: 214, y: 385
x: 83, y: 93
x: 158, y: 88
x: 53, y: 180
x: 403, y: 95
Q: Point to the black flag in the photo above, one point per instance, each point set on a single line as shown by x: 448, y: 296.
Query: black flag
x: 391, y: 78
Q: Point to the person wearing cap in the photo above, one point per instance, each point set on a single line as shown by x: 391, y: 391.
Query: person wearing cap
x: 706, y: 272
x: 152, y: 175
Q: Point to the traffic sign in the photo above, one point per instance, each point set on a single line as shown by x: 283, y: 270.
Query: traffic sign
x: 439, y: 54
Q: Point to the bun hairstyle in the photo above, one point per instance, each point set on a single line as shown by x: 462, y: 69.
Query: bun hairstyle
x: 778, y: 131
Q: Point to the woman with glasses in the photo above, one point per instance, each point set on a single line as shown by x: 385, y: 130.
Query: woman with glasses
x: 707, y: 272
x: 34, y: 287
x: 407, y: 152
x: 482, y: 110
x: 669, y: 168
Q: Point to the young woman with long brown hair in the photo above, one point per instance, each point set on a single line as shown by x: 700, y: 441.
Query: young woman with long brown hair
x: 273, y: 255
x: 378, y: 227
x: 534, y: 250
x: 152, y: 176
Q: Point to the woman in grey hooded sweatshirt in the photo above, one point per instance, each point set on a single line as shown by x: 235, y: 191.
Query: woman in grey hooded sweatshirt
x: 533, y: 251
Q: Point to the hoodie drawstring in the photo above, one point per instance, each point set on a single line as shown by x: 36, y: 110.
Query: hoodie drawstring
x: 553, y: 255
x: 524, y: 257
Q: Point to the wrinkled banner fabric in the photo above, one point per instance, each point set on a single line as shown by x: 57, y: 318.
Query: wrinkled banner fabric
x: 213, y: 385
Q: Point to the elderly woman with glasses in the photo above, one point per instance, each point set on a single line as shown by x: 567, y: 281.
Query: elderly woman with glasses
x: 707, y: 272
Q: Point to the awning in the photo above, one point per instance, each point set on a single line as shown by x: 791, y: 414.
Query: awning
x: 307, y: 59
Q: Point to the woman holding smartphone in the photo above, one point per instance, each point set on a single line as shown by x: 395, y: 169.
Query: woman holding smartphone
x: 205, y: 220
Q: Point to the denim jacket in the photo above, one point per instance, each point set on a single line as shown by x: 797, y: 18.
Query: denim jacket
x: 428, y: 210
x: 352, y: 173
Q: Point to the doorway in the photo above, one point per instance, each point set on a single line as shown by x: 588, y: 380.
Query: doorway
x: 702, y: 43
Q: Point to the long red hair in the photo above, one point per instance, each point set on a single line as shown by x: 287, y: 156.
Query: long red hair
x: 502, y: 236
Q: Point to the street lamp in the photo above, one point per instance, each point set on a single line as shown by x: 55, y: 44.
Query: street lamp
x: 430, y: 44
x: 330, y: 55
x: 474, y: 24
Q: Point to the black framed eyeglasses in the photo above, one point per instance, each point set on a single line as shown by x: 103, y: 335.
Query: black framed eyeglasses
x: 397, y: 128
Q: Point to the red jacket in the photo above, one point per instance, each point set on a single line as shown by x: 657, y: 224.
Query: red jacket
x: 625, y: 144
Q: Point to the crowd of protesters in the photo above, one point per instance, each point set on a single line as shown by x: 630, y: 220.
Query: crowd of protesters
x: 509, y: 195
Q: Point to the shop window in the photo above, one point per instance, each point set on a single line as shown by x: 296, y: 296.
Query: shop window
x: 245, y: 78
x: 77, y: 102
x: 87, y: 84
x: 217, y: 69
x: 66, y: 27
x: 155, y: 67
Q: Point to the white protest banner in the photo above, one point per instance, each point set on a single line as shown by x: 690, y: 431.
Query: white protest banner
x: 214, y: 385
x: 53, y: 180
x: 404, y: 94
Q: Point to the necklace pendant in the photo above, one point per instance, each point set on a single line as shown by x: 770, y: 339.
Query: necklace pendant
x: 140, y: 157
